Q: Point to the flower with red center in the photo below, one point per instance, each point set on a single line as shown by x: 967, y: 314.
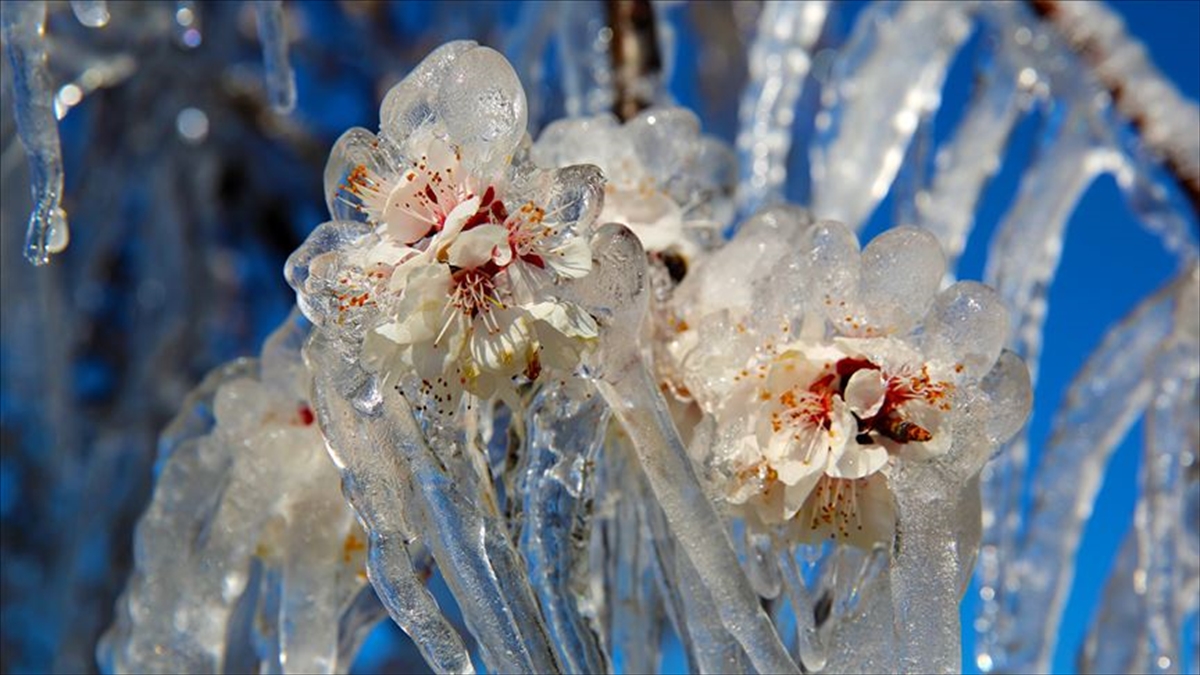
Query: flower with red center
x: 447, y: 259
x: 825, y: 368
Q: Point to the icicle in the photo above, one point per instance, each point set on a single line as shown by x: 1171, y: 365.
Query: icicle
x: 91, y: 13
x: 281, y: 80
x: 1108, y: 647
x: 810, y: 646
x: 1103, y: 402
x: 779, y: 61
x: 314, y: 547
x: 965, y: 164
x: 883, y: 83
x: 565, y: 428
x: 1172, y: 434
x: 582, y: 40
x: 618, y: 293
x: 390, y: 475
x: 24, y: 34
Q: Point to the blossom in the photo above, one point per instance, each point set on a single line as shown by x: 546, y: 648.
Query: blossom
x: 863, y: 364
x: 449, y: 253
x: 668, y: 183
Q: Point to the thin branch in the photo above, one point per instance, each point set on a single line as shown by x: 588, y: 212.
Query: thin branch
x: 637, y: 63
x: 1167, y: 123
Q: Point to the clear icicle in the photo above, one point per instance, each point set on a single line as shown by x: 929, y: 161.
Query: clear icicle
x: 1171, y: 439
x: 617, y: 291
x: 386, y: 463
x: 810, y: 645
x: 1102, y: 403
x: 883, y: 84
x: 779, y: 61
x: 24, y: 33
x: 583, y: 51
x: 565, y: 428
x: 973, y: 154
x: 1108, y: 647
x: 281, y: 80
x: 91, y: 13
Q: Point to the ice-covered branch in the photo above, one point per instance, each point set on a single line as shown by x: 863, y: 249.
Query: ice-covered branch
x: 780, y: 59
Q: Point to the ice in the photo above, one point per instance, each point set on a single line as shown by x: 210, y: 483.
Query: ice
x: 780, y: 59
x: 393, y: 478
x: 883, y: 83
x: 91, y: 13
x: 628, y: 386
x: 974, y: 153
x: 1103, y: 402
x: 33, y: 104
x: 272, y: 32
x: 565, y: 428
x: 245, y: 484
x: 901, y: 270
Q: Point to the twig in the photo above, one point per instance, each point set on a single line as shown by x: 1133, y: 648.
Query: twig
x: 1164, y: 120
x: 637, y: 63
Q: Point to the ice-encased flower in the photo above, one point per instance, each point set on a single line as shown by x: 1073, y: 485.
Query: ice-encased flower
x: 448, y: 248
x: 827, y: 366
x: 668, y: 183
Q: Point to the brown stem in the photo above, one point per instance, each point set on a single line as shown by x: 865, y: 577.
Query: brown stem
x: 1095, y: 52
x: 636, y: 61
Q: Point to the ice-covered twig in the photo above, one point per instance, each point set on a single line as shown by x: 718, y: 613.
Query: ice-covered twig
x: 883, y: 83
x: 24, y: 33
x: 1168, y: 123
x: 974, y: 153
x: 629, y: 387
x: 1102, y: 404
x: 780, y: 58
x: 565, y: 427
x: 636, y: 62
x: 281, y: 80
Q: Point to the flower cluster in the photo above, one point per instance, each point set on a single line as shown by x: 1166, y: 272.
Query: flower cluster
x: 668, y: 183
x: 816, y: 400
x: 448, y: 249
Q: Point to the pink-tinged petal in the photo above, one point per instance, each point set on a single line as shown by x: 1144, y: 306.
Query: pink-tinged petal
x: 865, y: 392
x: 406, y: 217
x: 455, y: 220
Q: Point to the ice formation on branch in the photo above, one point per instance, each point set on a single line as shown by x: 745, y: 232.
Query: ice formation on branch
x: 247, y: 546
x: 540, y: 371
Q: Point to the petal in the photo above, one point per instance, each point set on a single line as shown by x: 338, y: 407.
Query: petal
x: 474, y: 247
x: 572, y: 260
x: 458, y: 217
x: 565, y: 317
x: 387, y: 252
x: 865, y: 392
x: 858, y: 461
x: 505, y: 351
x: 406, y: 217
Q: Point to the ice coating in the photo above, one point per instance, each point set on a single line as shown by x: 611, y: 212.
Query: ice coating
x: 665, y: 181
x: 780, y: 60
x: 246, y: 486
x: 884, y: 83
x: 868, y: 403
x: 452, y: 275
